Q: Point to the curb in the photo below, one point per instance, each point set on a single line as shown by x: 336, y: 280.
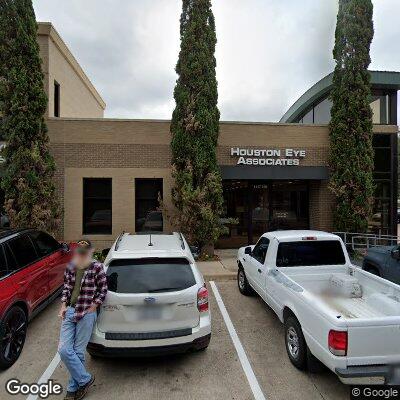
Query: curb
x: 231, y: 276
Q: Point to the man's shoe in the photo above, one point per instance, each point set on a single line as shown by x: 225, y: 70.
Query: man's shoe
x: 81, y: 392
x: 70, y: 396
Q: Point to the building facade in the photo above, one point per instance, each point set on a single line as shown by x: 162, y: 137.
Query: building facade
x: 112, y: 172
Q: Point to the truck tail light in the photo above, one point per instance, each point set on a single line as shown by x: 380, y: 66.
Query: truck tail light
x: 309, y: 238
x: 337, y: 342
x: 202, y: 299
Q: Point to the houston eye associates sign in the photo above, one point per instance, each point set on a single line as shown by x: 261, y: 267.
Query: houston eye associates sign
x: 268, y: 156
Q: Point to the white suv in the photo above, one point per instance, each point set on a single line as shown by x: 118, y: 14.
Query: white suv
x: 157, y: 301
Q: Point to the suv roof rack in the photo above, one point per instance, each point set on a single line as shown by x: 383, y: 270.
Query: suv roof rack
x: 182, y: 241
x: 117, y: 243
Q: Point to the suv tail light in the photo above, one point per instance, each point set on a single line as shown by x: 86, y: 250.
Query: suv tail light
x: 337, y: 342
x: 202, y: 299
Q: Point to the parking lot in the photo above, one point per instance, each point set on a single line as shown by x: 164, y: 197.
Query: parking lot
x: 214, y: 374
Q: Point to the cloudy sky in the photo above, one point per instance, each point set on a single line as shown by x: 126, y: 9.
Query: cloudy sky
x: 268, y: 53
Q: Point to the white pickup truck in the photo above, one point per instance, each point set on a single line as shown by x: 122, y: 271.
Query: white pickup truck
x: 334, y: 312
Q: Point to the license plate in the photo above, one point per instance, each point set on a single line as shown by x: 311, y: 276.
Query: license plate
x: 150, y: 313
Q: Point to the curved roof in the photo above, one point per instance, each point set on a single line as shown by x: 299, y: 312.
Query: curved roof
x: 379, y: 80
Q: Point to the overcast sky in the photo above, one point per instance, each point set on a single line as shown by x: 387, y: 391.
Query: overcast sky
x: 268, y: 52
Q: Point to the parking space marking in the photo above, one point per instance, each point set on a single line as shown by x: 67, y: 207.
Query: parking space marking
x: 47, y: 374
x: 248, y: 370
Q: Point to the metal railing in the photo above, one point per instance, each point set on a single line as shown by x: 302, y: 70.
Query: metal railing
x: 360, y: 241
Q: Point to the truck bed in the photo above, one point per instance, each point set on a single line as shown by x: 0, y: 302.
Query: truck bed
x: 379, y: 299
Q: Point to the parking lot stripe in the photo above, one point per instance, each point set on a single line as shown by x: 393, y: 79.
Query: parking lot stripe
x: 253, y: 382
x: 46, y: 374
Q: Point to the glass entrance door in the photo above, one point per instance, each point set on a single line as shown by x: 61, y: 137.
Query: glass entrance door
x: 262, y: 206
x: 260, y: 209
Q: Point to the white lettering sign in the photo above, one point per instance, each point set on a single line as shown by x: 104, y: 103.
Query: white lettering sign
x: 268, y: 157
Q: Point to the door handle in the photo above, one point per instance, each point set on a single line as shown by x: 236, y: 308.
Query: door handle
x: 259, y: 270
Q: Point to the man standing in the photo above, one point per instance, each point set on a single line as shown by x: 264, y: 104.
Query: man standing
x: 85, y: 288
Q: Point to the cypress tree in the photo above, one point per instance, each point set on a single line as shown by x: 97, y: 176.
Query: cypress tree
x: 351, y: 151
x: 30, y: 199
x: 197, y: 192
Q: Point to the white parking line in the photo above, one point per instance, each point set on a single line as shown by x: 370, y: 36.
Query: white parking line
x: 46, y: 374
x: 254, y: 385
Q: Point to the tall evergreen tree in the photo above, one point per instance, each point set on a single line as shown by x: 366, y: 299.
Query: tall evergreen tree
x: 351, y: 151
x: 30, y: 199
x: 197, y: 193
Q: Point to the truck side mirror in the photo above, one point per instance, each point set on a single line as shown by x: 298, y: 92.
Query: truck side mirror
x: 396, y: 253
x: 247, y: 250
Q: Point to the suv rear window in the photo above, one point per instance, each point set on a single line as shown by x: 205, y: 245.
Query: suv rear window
x: 310, y: 253
x: 149, y: 275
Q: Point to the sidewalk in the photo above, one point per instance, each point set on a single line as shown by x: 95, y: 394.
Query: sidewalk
x: 223, y: 270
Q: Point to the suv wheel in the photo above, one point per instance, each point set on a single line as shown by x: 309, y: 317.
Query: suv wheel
x: 243, y: 284
x: 296, y: 346
x: 12, y: 336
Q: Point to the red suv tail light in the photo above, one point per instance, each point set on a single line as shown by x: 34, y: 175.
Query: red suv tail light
x: 337, y: 342
x: 202, y: 299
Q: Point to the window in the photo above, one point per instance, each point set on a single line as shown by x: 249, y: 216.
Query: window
x: 310, y: 253
x: 309, y: 117
x: 56, y: 99
x: 149, y: 275
x: 380, y: 221
x: 322, y: 112
x: 11, y: 262
x: 45, y: 244
x: 97, y: 206
x: 148, y: 216
x: 23, y: 250
x: 380, y: 109
x: 3, y: 265
x: 260, y: 250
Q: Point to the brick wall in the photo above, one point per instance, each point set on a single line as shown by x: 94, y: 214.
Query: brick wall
x: 125, y: 150
x: 321, y: 203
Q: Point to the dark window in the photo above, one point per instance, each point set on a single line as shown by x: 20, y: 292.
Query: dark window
x: 260, y: 250
x: 11, y: 262
x: 310, y: 253
x: 149, y: 275
x: 45, y: 244
x: 3, y: 264
x: 380, y: 219
x: 97, y: 206
x: 148, y: 216
x: 56, y: 99
x: 23, y: 250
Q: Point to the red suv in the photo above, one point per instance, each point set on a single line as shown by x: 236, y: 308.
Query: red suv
x: 32, y: 265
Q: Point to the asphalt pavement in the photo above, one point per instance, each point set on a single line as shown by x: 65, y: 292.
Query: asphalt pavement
x: 217, y: 373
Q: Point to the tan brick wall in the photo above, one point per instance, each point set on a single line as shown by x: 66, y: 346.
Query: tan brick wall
x: 127, y: 149
x: 78, y: 97
x: 123, y: 199
x: 321, y: 204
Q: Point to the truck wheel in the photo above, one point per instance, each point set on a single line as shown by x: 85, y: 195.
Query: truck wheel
x: 12, y: 336
x: 243, y: 284
x: 296, y: 346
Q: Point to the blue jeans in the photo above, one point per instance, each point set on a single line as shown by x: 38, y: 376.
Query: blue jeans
x: 74, y: 337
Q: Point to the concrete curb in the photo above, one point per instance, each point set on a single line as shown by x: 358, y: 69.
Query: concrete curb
x: 229, y: 276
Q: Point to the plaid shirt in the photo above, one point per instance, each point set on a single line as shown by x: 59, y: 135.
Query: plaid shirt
x: 93, y: 287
